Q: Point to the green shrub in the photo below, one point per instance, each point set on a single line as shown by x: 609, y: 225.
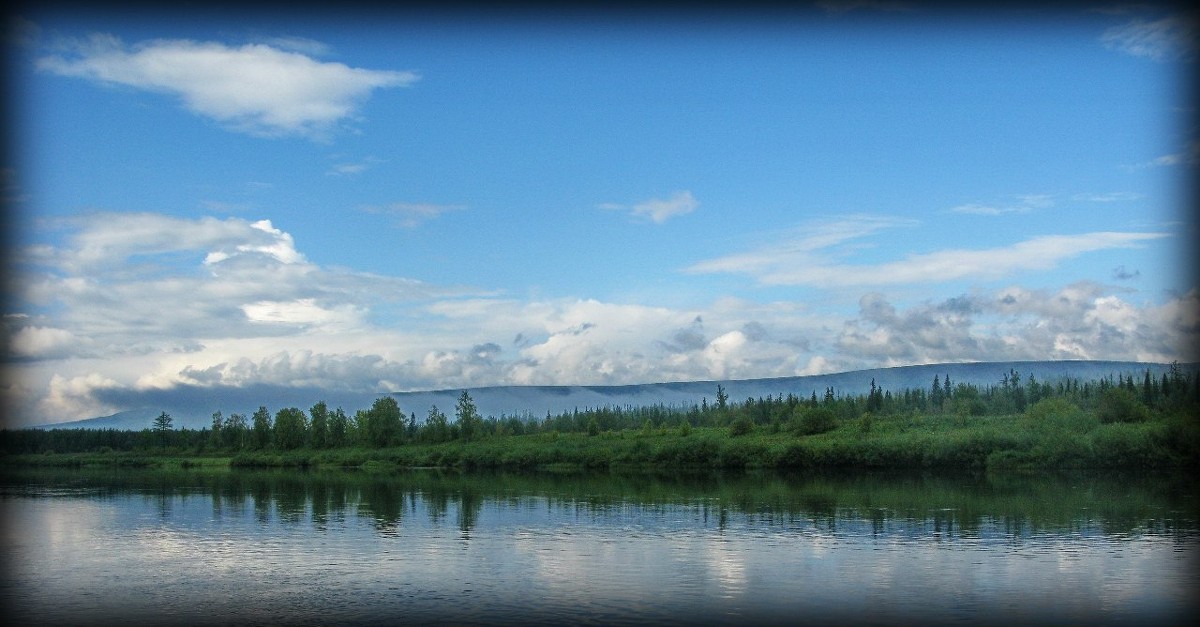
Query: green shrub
x: 1059, y: 414
x: 741, y: 426
x: 813, y: 420
x: 1120, y: 405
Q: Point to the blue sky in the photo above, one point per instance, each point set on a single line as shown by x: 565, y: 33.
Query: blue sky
x: 396, y: 201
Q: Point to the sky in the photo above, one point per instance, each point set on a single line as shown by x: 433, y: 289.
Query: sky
x: 391, y: 200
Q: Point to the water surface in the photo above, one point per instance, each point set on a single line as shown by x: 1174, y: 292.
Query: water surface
x: 222, y: 547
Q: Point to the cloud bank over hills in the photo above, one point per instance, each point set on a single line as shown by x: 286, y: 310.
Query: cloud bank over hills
x: 193, y: 407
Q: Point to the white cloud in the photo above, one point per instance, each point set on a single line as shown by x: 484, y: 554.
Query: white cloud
x: 254, y: 88
x: 303, y: 312
x: 410, y: 215
x: 659, y: 210
x: 99, y: 337
x: 1107, y: 197
x: 1024, y: 204
x: 352, y: 168
x: 100, y: 241
x: 806, y: 260
x: 131, y: 283
x: 802, y: 249
x: 1166, y: 39
x: 41, y: 342
x: 67, y: 399
x: 1080, y: 321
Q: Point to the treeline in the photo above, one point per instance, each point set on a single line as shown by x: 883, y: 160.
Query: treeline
x: 1125, y: 398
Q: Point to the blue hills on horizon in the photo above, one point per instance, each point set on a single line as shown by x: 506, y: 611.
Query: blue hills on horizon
x: 193, y: 408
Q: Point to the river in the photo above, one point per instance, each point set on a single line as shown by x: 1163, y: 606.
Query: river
x: 133, y: 547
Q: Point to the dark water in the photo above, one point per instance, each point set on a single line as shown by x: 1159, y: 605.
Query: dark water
x: 422, y: 547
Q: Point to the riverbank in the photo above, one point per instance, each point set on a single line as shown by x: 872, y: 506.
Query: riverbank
x: 1048, y: 440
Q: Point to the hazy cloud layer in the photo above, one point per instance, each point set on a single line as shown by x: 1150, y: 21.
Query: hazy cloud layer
x: 255, y: 88
x: 412, y: 214
x: 122, y: 305
x: 1164, y: 39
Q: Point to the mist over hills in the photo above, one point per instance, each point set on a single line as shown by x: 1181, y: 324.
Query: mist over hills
x: 193, y: 407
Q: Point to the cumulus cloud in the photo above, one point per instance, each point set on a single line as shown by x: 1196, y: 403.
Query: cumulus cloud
x: 809, y: 260
x: 109, y: 327
x: 1080, y: 321
x: 254, y: 88
x: 132, y: 283
x: 659, y: 210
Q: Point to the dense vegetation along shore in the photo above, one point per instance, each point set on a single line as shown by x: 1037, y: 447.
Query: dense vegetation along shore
x: 1126, y: 422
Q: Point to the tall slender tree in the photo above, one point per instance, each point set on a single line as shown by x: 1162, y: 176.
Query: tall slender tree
x: 468, y: 418
x: 261, y: 428
x: 318, y: 430
x: 162, y: 425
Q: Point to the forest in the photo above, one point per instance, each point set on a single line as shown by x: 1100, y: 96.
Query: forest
x: 1127, y: 421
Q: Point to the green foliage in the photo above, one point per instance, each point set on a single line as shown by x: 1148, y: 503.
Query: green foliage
x: 1118, y: 404
x: 1073, y: 424
x: 339, y: 427
x: 291, y: 428
x: 235, y: 434
x: 741, y: 426
x: 468, y: 417
x: 261, y: 429
x: 813, y: 420
x: 1059, y: 414
x: 384, y: 422
x: 318, y: 430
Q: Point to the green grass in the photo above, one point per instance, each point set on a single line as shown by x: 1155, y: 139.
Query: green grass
x: 115, y: 459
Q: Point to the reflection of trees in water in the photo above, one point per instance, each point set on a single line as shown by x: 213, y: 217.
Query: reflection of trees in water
x: 291, y: 498
x: 260, y: 491
x: 437, y: 502
x: 383, y: 503
x: 893, y: 503
x: 320, y: 505
x: 470, y: 502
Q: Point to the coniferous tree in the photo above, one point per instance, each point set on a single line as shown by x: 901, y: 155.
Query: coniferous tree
x: 218, y: 423
x: 468, y: 418
x: 162, y: 425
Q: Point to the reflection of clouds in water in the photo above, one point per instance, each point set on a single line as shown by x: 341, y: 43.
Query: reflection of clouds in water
x: 54, y: 535
x: 728, y: 564
x: 565, y: 558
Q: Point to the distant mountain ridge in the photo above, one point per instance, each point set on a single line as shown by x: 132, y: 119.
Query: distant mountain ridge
x: 194, y: 410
